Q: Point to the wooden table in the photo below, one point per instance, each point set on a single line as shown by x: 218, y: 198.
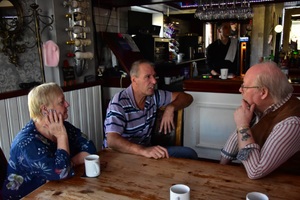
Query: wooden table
x: 135, y: 177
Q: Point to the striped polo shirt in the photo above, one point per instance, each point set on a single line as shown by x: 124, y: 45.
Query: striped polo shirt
x: 125, y: 118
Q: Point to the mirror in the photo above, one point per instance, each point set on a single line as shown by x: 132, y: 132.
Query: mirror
x: 11, y: 21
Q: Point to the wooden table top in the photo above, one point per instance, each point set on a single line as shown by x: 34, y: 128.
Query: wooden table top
x: 135, y: 177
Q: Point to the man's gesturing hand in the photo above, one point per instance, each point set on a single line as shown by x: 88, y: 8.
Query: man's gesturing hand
x: 167, y: 122
x: 155, y: 152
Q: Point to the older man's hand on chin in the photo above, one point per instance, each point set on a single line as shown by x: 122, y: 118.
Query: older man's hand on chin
x: 243, y: 115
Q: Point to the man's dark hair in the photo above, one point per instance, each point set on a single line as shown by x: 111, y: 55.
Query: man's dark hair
x: 134, y: 70
x: 219, y: 24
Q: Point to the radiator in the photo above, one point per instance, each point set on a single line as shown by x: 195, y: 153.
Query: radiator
x: 85, y: 113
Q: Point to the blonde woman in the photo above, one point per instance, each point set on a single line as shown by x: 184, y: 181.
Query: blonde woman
x: 48, y: 147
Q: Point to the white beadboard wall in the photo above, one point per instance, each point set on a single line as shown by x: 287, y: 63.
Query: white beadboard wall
x: 85, y: 113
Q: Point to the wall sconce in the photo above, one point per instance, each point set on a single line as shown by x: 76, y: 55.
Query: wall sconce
x: 278, y: 28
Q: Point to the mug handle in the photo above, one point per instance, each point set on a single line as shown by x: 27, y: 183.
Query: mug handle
x: 97, y: 168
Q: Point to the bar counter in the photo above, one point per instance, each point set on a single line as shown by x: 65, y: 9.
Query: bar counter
x: 217, y: 85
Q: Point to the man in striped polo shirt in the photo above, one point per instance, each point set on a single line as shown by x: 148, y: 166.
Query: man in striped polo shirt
x: 273, y: 142
x: 131, y: 115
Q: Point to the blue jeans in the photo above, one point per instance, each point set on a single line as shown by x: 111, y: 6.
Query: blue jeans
x: 182, y: 152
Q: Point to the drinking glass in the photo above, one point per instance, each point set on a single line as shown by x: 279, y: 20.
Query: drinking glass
x: 250, y: 12
x: 205, y: 12
x: 218, y: 12
x: 210, y: 11
x: 225, y: 10
x: 240, y: 13
x: 233, y: 11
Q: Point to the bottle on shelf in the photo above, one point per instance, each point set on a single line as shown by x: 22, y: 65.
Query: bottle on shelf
x: 79, y: 16
x: 292, y: 61
x: 284, y: 63
x: 79, y: 42
x: 83, y: 55
x: 271, y: 57
x: 76, y: 4
x: 296, y: 56
x: 79, y: 23
x: 281, y: 55
x: 79, y: 29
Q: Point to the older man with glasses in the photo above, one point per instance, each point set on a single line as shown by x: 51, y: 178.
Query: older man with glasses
x: 267, y: 135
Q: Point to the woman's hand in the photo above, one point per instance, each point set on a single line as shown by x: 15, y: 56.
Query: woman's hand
x: 56, y: 128
x: 54, y: 124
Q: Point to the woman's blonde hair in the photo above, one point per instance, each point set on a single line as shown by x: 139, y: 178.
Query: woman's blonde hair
x: 42, y: 94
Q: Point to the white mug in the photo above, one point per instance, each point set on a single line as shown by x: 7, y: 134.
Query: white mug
x: 167, y: 80
x: 179, y: 57
x: 224, y: 73
x: 256, y: 196
x: 92, y: 165
x: 179, y: 192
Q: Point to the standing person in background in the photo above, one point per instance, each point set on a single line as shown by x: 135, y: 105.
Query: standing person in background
x: 131, y: 115
x: 273, y: 142
x: 222, y: 53
x: 48, y: 147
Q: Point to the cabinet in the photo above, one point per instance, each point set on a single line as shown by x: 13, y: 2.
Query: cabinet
x: 153, y: 48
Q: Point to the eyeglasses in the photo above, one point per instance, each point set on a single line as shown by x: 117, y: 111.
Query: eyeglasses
x: 243, y: 87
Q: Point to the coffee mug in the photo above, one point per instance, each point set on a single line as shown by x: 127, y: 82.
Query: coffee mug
x: 179, y: 192
x: 224, y: 73
x: 256, y: 196
x: 179, y: 57
x: 92, y: 165
x: 167, y: 80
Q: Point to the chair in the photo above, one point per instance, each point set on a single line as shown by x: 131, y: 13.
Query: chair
x: 173, y: 138
x: 3, y: 169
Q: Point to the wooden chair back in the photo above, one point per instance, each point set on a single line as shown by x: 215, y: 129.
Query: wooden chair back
x: 173, y: 138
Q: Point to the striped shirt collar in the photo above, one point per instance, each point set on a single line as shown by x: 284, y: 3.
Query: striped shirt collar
x: 129, y: 92
x: 274, y: 106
